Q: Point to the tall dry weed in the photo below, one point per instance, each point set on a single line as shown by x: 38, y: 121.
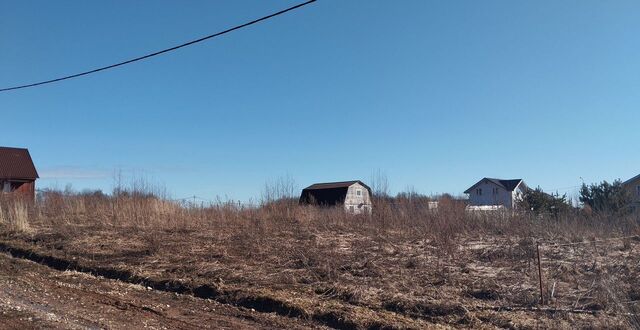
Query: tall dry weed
x: 19, y: 217
x: 407, y: 219
x: 3, y: 217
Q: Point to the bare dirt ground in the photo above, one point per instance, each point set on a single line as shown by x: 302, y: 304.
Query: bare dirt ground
x: 36, y: 296
x: 357, y: 283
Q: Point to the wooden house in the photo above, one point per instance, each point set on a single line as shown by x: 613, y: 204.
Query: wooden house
x: 354, y: 196
x: 632, y: 186
x: 17, y: 172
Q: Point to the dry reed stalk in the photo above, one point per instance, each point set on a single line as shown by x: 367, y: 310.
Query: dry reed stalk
x: 3, y: 217
x: 19, y: 217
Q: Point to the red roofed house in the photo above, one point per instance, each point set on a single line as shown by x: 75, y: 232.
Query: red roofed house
x: 17, y: 173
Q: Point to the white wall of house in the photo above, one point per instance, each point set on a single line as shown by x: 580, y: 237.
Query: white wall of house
x: 517, y: 195
x: 358, y: 200
x: 489, y: 193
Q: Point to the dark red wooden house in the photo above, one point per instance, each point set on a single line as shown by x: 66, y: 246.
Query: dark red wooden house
x: 17, y: 173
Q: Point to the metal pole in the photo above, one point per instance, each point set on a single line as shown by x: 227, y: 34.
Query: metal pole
x: 540, y: 273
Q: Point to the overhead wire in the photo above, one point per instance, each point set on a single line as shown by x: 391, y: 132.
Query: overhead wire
x: 140, y: 58
x: 564, y: 188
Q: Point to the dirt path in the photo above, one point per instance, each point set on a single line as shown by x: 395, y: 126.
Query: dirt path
x: 35, y: 296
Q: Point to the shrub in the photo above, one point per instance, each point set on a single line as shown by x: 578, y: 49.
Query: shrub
x: 539, y: 202
x: 606, y: 197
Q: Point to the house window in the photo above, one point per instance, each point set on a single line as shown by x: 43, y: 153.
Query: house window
x: 479, y: 191
x: 359, y: 192
x: 496, y: 191
x: 351, y: 209
x: 638, y: 190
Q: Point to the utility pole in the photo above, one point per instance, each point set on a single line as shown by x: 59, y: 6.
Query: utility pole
x: 540, y: 273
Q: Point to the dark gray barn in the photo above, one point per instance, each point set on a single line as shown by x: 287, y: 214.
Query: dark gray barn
x: 354, y: 196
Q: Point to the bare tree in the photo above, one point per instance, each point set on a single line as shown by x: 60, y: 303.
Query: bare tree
x: 284, y: 187
x: 379, y: 184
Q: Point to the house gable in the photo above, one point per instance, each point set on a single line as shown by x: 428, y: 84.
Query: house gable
x: 633, y: 180
x: 16, y: 164
x: 358, y: 199
x: 632, y: 186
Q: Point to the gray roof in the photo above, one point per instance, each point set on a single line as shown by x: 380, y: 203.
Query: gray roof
x: 332, y: 185
x: 507, y: 184
x: 631, y: 180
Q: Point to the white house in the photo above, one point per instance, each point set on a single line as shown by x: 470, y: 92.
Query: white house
x: 496, y: 192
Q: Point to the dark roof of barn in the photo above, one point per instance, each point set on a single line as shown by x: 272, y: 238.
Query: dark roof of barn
x: 333, y: 185
x: 16, y: 163
x: 509, y: 185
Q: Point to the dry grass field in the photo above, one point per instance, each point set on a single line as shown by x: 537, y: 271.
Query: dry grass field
x: 404, y: 266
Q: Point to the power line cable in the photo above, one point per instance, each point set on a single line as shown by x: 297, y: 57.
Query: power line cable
x: 564, y: 188
x: 161, y: 51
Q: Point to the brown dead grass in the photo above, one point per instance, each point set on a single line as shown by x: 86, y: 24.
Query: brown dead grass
x: 402, y: 267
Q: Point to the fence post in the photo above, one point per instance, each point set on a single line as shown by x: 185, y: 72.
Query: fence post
x: 540, y: 273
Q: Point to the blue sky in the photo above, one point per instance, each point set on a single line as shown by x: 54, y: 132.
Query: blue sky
x: 435, y: 94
